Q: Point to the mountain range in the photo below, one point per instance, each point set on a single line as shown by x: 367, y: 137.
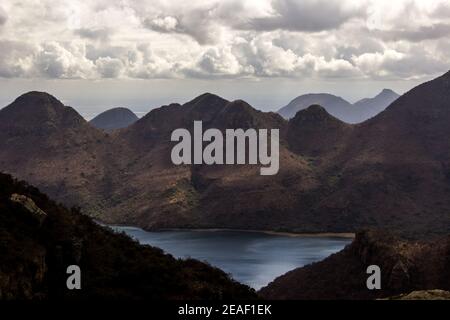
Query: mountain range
x: 340, y: 108
x: 392, y: 171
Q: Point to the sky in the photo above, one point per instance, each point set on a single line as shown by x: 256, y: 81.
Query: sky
x: 98, y: 54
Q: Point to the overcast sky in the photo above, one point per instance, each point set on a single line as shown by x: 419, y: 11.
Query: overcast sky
x: 98, y: 54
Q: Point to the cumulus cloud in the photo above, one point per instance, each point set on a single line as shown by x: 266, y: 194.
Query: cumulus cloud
x: 16, y: 59
x: 393, y: 64
x: 198, y: 24
x: 163, y: 24
x: 109, y: 67
x: 224, y: 39
x: 55, y: 60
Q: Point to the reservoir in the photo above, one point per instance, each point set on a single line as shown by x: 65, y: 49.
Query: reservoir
x: 253, y: 258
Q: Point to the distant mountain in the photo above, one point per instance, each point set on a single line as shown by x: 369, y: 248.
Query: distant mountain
x: 113, y: 119
x: 405, y: 267
x: 370, y: 107
x: 391, y: 171
x: 340, y: 108
x: 336, y: 106
x: 39, y: 239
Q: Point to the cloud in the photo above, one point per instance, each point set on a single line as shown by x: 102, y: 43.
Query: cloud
x: 392, y: 64
x: 163, y: 24
x: 372, y: 39
x: 305, y: 15
x: 194, y: 23
x: 432, y: 32
x: 54, y: 60
x: 101, y: 34
x: 3, y: 16
x: 109, y: 67
x: 16, y: 59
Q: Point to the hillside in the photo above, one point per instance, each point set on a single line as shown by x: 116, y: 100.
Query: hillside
x: 50, y: 145
x: 405, y: 267
x: 39, y: 239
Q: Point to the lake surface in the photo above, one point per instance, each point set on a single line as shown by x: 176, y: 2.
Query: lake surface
x: 253, y: 258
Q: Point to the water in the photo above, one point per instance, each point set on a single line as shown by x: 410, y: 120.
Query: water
x: 253, y: 258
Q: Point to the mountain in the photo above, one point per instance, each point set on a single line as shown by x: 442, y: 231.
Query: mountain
x: 52, y: 146
x: 314, y: 132
x: 334, y: 105
x: 39, y: 239
x: 390, y: 172
x: 395, y: 167
x: 340, y: 108
x: 370, y: 107
x: 187, y: 196
x: 405, y: 267
x: 113, y: 119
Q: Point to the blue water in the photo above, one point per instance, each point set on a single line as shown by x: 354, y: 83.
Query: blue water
x: 253, y: 258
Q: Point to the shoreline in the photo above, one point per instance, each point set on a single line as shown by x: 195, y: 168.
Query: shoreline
x: 345, y: 235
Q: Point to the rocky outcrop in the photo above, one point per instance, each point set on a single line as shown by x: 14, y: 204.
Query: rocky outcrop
x: 423, y: 295
x: 29, y: 205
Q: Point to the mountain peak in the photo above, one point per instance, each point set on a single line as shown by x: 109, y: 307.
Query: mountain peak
x: 314, y: 113
x: 316, y: 108
x: 33, y: 98
x: 387, y: 93
x: 207, y: 98
x: 313, y: 131
x: 115, y: 118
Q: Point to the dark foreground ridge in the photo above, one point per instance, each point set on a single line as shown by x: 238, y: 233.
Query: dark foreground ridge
x: 39, y: 239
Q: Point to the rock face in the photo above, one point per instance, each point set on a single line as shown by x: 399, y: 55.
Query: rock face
x: 34, y: 258
x: 392, y: 171
x: 114, y: 119
x: 405, y: 267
